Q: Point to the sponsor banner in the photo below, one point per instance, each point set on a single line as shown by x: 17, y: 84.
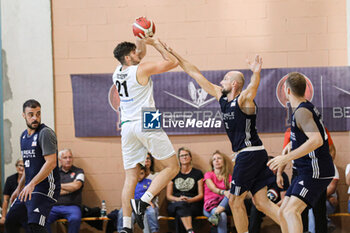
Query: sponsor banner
x: 182, y: 107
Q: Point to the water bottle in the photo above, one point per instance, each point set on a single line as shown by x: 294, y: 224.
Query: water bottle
x: 103, y: 209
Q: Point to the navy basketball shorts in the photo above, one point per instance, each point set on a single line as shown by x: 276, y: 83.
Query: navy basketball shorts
x: 308, y: 189
x: 35, y: 210
x: 250, y: 172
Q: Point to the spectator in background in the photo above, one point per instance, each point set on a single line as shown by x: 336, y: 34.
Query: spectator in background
x: 185, y: 193
x: 320, y: 210
x: 347, y: 179
x: 149, y: 221
x: 217, y: 185
x: 275, y: 193
x: 331, y: 204
x: 10, y: 186
x: 149, y: 166
x: 151, y: 215
x: 68, y: 205
x: 332, y: 199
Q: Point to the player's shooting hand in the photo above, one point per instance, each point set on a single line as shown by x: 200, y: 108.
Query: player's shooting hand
x: 149, y: 41
x: 279, y: 180
x: 26, y: 193
x: 255, y: 66
x: 277, y: 162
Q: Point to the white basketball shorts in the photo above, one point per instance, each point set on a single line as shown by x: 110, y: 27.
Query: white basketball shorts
x: 136, y: 144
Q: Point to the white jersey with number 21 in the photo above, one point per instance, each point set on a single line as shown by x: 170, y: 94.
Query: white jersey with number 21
x: 133, y: 96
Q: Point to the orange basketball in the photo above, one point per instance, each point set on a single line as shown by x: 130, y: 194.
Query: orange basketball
x: 143, y: 28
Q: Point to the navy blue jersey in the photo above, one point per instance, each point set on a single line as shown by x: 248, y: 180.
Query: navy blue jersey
x: 317, y: 163
x: 239, y: 126
x: 33, y: 149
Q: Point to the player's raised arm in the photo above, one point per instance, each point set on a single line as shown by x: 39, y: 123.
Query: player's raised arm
x: 146, y: 69
x: 249, y: 93
x: 194, y: 72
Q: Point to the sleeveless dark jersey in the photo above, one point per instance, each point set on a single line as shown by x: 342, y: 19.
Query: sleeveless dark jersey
x: 240, y: 127
x: 317, y: 163
x: 33, y: 158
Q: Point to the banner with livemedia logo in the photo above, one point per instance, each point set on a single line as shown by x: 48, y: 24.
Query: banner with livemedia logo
x: 183, y: 108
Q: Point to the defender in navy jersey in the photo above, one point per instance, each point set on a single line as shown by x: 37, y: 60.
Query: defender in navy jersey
x: 239, y: 116
x: 310, y: 153
x: 39, y: 187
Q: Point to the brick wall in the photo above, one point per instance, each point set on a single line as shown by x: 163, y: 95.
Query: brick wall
x: 213, y: 34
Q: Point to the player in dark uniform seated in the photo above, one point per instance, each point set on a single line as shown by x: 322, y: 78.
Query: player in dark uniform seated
x: 39, y: 188
x: 68, y: 205
x: 275, y: 194
x: 10, y: 186
x: 310, y: 152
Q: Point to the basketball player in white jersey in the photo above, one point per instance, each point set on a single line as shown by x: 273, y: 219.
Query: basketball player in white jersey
x: 135, y: 88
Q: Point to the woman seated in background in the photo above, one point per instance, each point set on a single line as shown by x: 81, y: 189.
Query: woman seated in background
x: 185, y: 193
x: 216, y: 191
x: 10, y: 186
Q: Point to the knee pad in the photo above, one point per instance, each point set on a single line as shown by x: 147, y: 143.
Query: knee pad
x: 36, y: 228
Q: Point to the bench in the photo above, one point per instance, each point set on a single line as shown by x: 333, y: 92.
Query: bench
x: 339, y: 215
x: 166, y: 218
x: 61, y: 227
x: 86, y: 219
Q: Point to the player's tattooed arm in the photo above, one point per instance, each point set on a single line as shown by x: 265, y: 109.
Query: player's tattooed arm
x: 194, y: 72
x: 306, y: 123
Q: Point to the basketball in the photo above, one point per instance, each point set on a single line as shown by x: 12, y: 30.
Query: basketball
x: 143, y: 28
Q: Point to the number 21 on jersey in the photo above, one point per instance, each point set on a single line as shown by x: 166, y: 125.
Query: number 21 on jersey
x: 123, y: 85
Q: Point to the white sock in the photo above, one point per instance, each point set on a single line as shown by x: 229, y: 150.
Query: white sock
x: 127, y: 222
x: 147, y: 197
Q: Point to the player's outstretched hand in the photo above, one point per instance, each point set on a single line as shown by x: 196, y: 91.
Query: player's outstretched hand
x: 255, y: 66
x: 26, y: 193
x: 277, y: 162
